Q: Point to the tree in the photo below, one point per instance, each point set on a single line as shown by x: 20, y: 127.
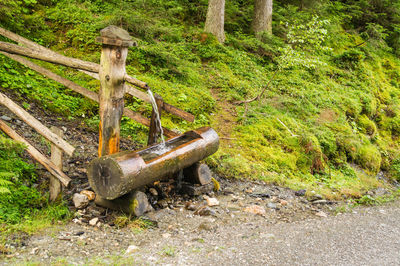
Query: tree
x: 215, y: 19
x: 262, y: 20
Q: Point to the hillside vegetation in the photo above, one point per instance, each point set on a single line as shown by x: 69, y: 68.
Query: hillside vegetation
x: 328, y: 121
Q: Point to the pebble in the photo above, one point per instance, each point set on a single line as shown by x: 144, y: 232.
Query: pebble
x: 93, y: 221
x: 212, y: 202
x: 89, y: 194
x: 316, y: 197
x: 320, y: 202
x: 283, y: 202
x: 321, y: 214
x: 271, y: 205
x: 204, y: 211
x: 255, y: 209
x: 300, y: 192
x: 153, y: 192
x: 5, y: 118
x: 80, y: 201
x: 131, y: 249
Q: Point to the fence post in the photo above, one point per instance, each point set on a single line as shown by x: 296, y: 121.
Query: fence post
x: 56, y: 158
x: 115, y: 42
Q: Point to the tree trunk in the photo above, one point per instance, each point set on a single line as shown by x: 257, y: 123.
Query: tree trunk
x: 262, y: 20
x: 215, y: 19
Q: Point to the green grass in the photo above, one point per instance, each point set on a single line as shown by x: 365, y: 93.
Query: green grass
x: 340, y: 106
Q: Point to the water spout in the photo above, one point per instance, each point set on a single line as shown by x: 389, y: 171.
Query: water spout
x: 161, y: 147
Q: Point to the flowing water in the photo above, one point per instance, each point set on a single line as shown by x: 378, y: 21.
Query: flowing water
x: 161, y: 148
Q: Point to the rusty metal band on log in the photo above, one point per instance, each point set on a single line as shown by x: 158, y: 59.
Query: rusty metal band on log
x: 115, y: 175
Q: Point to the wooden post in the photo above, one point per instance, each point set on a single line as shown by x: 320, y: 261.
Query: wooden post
x: 56, y: 158
x: 154, y: 129
x: 115, y: 42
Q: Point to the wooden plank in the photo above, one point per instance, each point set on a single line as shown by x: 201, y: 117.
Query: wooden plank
x: 136, y: 82
x: 37, y: 125
x: 56, y: 158
x: 49, y: 57
x: 64, y: 179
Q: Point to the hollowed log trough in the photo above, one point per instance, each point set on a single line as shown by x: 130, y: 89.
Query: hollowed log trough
x: 115, y: 175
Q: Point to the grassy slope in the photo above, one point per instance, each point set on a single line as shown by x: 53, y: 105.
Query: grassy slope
x: 340, y: 120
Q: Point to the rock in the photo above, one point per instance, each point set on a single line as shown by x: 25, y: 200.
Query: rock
x: 93, y: 221
x: 212, y: 202
x: 321, y: 202
x: 34, y: 251
x: 195, y: 190
x: 321, y: 214
x: 255, y: 209
x: 204, y: 211
x: 166, y: 235
x: 80, y: 201
x: 131, y: 249
x: 283, y: 202
x: 153, y: 192
x: 190, y: 206
x: 5, y: 118
x: 205, y: 226
x: 300, y: 192
x: 272, y: 205
x: 79, y: 233
x: 89, y: 194
x: 260, y: 195
x: 380, y: 191
x: 316, y: 197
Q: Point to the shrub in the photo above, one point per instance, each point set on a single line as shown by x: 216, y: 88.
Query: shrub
x: 366, y: 125
x: 369, y: 157
x: 350, y: 59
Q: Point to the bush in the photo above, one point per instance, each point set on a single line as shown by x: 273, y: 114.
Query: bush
x: 366, y: 125
x: 370, y: 158
x: 350, y: 59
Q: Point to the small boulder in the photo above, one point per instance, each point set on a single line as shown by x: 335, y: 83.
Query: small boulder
x: 212, y: 202
x: 5, y: 118
x: 93, y: 221
x: 255, y: 209
x: 90, y: 194
x: 300, y: 192
x: 80, y: 201
x: 131, y: 249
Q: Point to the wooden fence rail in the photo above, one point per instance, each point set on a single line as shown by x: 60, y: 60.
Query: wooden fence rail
x: 37, y: 51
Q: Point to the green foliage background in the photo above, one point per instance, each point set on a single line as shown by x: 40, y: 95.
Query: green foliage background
x: 329, y: 121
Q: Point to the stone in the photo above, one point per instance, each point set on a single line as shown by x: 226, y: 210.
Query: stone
x: 153, y: 192
x: 80, y: 201
x: 5, y: 118
x: 190, y: 206
x: 212, y: 202
x: 272, y: 205
x: 321, y: 202
x: 255, y: 209
x: 283, y: 202
x: 300, y: 192
x: 316, y: 197
x: 90, y: 194
x: 260, y: 195
x: 131, y: 249
x: 93, y: 221
x: 321, y: 214
x: 204, y: 211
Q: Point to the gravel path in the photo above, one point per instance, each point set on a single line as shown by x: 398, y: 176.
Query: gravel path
x: 365, y: 236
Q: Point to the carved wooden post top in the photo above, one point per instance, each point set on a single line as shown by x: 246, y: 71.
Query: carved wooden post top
x: 113, y: 35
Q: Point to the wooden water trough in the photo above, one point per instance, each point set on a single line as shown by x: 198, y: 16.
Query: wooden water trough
x: 115, y: 175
